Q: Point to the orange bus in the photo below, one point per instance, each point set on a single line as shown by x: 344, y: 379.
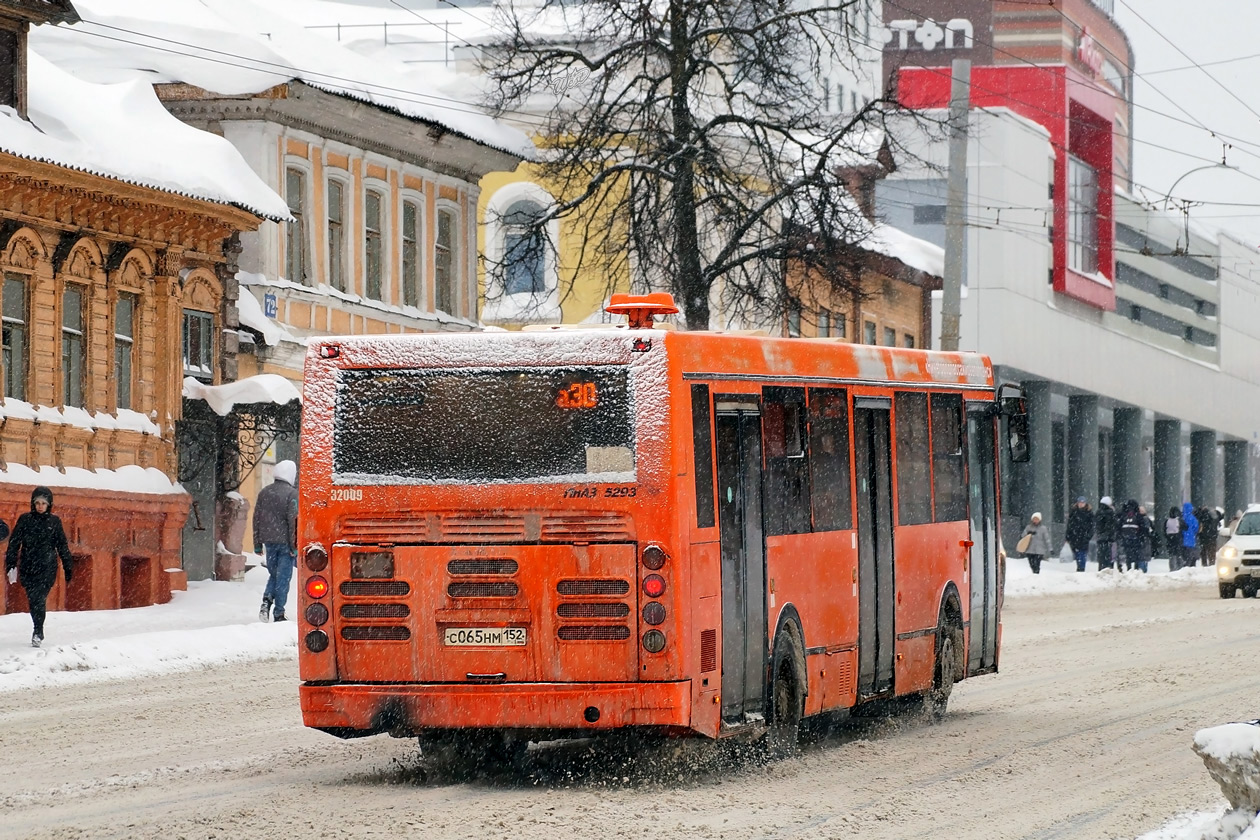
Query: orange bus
x: 541, y: 534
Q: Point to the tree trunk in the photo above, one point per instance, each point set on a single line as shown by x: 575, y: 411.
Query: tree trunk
x: 689, y: 287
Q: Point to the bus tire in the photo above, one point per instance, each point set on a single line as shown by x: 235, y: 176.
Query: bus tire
x: 1227, y: 590
x: 946, y: 670
x: 787, y: 694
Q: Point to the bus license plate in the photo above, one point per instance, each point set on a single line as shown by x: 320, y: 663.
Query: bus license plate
x: 485, y: 636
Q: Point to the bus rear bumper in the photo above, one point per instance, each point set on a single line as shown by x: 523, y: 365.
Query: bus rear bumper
x: 350, y: 709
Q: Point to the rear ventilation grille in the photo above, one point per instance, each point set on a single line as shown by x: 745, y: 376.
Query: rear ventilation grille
x: 486, y: 566
x: 375, y: 634
x: 593, y: 586
x: 591, y: 527
x: 593, y: 633
x: 593, y: 610
x: 378, y: 588
x: 398, y: 529
x: 482, y: 589
x: 708, y: 651
x: 459, y: 527
x: 375, y: 610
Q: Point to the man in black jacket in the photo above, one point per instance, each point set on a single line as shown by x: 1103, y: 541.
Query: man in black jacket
x: 38, y: 539
x: 1105, y: 532
x: 1080, y: 530
x: 275, y: 530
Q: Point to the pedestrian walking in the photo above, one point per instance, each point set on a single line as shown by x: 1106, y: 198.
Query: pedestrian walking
x: 1209, y: 532
x: 38, y: 540
x: 1037, y: 545
x: 275, y: 531
x: 1189, y: 535
x: 1135, y: 535
x: 1105, y: 533
x: 1172, y: 538
x: 1080, y: 530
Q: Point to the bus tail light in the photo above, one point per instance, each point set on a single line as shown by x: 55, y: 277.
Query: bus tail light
x: 317, y: 614
x: 654, y: 557
x: 316, y: 586
x: 654, y: 641
x: 317, y: 641
x: 654, y: 586
x: 316, y: 557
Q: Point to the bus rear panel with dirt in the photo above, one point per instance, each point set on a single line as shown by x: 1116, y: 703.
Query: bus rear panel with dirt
x: 554, y: 533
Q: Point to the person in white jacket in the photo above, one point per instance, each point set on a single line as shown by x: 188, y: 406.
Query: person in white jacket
x: 1038, y: 545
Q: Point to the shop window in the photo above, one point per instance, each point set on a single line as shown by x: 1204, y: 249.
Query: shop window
x: 15, y: 331
x: 73, y: 346
x: 1082, y: 216
x: 914, y: 480
x: 337, y: 236
x: 411, y: 253
x: 296, y: 264
x: 199, y: 345
x: 787, y: 478
x: 124, y: 346
x: 830, y: 480
x: 374, y: 230
x: 949, y: 483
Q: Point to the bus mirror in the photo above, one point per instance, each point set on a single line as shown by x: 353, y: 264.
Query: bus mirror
x: 1017, y: 437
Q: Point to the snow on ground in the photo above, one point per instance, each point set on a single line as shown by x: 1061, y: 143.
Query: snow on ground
x: 216, y: 623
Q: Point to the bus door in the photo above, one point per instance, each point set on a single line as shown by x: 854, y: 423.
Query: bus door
x: 872, y: 444
x: 982, y: 499
x: 743, y: 557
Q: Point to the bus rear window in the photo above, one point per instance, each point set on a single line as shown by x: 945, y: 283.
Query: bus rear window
x: 483, y: 425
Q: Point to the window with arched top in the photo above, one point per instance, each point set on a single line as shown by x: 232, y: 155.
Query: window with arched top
x: 524, y: 249
x: 522, y: 255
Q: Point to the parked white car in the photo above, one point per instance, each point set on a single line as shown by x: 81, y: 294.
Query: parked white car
x: 1238, y: 561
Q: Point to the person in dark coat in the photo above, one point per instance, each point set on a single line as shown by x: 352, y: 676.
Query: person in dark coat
x: 1105, y: 532
x: 1080, y: 530
x: 38, y: 540
x: 275, y: 531
x: 1209, y: 532
x: 1173, y: 526
x: 1135, y: 535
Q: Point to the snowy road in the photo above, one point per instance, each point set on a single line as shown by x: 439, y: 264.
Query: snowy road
x: 1085, y: 734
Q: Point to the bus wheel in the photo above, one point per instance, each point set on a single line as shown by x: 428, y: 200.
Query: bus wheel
x: 946, y: 664
x: 787, y: 698
x: 1227, y: 590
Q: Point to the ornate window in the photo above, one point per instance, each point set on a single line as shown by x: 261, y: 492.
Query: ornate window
x: 296, y: 267
x: 73, y: 345
x: 199, y: 345
x: 374, y: 228
x: 524, y: 249
x: 124, y: 346
x: 336, y: 235
x: 16, y: 345
x: 445, y: 262
x: 411, y: 254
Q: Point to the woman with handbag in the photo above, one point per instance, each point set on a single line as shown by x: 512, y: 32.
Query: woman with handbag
x: 1035, y: 543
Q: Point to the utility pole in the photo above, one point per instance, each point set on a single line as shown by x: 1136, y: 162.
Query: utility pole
x: 956, y: 203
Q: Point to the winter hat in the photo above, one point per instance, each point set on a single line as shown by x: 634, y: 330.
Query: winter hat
x: 1037, y: 516
x: 41, y: 493
x: 1105, y: 500
x: 286, y: 471
x: 1080, y: 500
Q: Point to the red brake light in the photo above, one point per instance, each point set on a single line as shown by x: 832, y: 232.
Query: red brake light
x: 316, y: 586
x: 654, y: 586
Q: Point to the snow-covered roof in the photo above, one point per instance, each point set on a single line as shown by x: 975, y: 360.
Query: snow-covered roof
x: 251, y: 315
x: 131, y: 478
x: 239, y: 47
x: 121, y: 131
x: 917, y: 253
x: 262, y: 388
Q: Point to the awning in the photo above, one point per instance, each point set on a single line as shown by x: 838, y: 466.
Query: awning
x: 267, y: 388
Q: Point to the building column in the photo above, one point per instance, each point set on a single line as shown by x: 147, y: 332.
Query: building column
x: 1126, y: 455
x: 1203, y: 468
x: 1167, y: 467
x: 1083, y: 447
x: 1038, y: 492
x: 1237, y: 480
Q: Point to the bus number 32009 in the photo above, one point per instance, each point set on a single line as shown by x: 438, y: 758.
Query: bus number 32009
x: 346, y: 494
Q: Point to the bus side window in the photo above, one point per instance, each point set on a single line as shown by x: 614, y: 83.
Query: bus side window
x: 702, y: 446
x: 914, y: 483
x: 830, y: 477
x: 787, y: 469
x: 949, y: 482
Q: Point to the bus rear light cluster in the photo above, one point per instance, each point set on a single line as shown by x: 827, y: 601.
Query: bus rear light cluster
x: 317, y: 641
x: 654, y: 641
x: 317, y: 615
x: 316, y: 586
x: 654, y: 557
x: 654, y: 586
x: 654, y: 613
x: 316, y: 557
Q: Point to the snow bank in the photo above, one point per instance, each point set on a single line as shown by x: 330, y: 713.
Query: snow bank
x: 213, y: 623
x: 262, y: 388
x: 1058, y: 578
x: 1231, y: 753
x: 121, y: 131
